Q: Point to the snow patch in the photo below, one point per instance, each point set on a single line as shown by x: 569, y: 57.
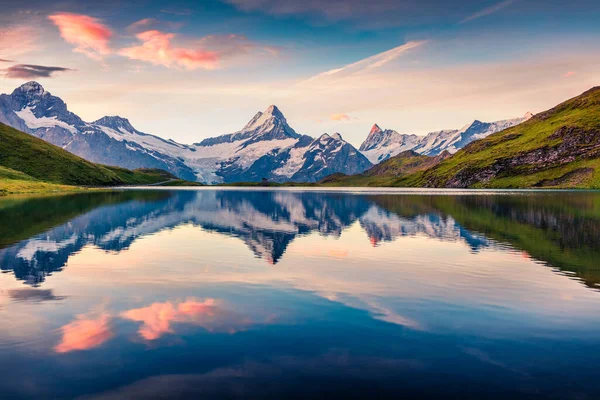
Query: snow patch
x: 33, y: 122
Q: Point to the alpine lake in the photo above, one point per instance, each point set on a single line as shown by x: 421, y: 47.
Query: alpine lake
x: 212, y: 293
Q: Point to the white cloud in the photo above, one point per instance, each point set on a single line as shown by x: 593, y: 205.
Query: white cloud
x: 370, y: 63
x: 487, y: 11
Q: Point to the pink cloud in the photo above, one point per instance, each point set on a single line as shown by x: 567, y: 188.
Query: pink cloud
x: 340, y: 117
x: 84, y: 333
x: 156, y: 48
x: 570, y: 73
x: 87, y: 34
x: 157, y: 318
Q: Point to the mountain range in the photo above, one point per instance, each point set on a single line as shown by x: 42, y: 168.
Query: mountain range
x: 383, y: 144
x: 557, y: 148
x: 266, y: 148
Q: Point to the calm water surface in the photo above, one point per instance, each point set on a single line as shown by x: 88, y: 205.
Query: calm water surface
x: 300, y: 294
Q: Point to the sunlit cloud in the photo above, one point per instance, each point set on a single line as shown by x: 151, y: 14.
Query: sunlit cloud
x: 209, y: 52
x: 84, y: 333
x: 157, y: 319
x: 29, y: 71
x: 339, y: 117
x: 87, y: 34
x: 156, y: 48
x: 570, y: 73
x: 488, y: 11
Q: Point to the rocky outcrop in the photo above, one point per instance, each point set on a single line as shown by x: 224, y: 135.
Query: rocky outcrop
x: 566, y: 145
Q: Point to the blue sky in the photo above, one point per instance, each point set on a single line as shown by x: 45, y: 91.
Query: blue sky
x: 188, y: 70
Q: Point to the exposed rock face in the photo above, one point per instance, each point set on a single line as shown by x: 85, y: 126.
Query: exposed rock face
x: 328, y: 155
x: 573, y: 143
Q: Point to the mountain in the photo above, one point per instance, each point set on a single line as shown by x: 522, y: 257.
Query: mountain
x: 406, y: 162
x: 267, y: 147
x: 388, y: 172
x: 31, y: 109
x: 383, y: 144
x: 26, y: 158
x: 556, y: 148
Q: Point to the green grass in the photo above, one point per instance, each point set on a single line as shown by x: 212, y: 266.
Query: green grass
x: 25, y: 216
x: 141, y: 176
x: 181, y: 183
x: 16, y: 186
x: 580, y: 112
x: 31, y: 165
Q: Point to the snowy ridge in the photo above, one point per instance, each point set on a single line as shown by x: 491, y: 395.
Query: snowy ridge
x: 383, y: 144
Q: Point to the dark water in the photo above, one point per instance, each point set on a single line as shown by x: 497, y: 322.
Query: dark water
x: 291, y: 294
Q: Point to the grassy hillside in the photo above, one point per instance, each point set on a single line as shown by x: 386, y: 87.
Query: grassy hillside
x: 24, y: 158
x: 556, y: 148
x: 389, y: 172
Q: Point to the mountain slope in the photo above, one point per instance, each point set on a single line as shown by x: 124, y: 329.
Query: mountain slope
x: 556, y: 148
x: 33, y: 158
x: 407, y: 162
x: 32, y: 109
x: 388, y: 172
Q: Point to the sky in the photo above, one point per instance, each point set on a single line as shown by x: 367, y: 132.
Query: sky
x: 188, y: 70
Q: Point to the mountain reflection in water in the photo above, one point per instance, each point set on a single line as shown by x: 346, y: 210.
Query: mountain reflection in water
x: 560, y: 230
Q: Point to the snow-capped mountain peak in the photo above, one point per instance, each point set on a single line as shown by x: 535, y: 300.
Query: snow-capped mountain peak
x: 375, y: 129
x: 264, y: 126
x: 270, y: 116
x: 337, y: 136
x: 117, y: 123
x: 528, y: 115
x: 274, y: 111
x: 31, y: 89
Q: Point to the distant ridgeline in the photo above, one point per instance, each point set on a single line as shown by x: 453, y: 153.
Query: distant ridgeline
x: 266, y: 148
x: 556, y: 148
